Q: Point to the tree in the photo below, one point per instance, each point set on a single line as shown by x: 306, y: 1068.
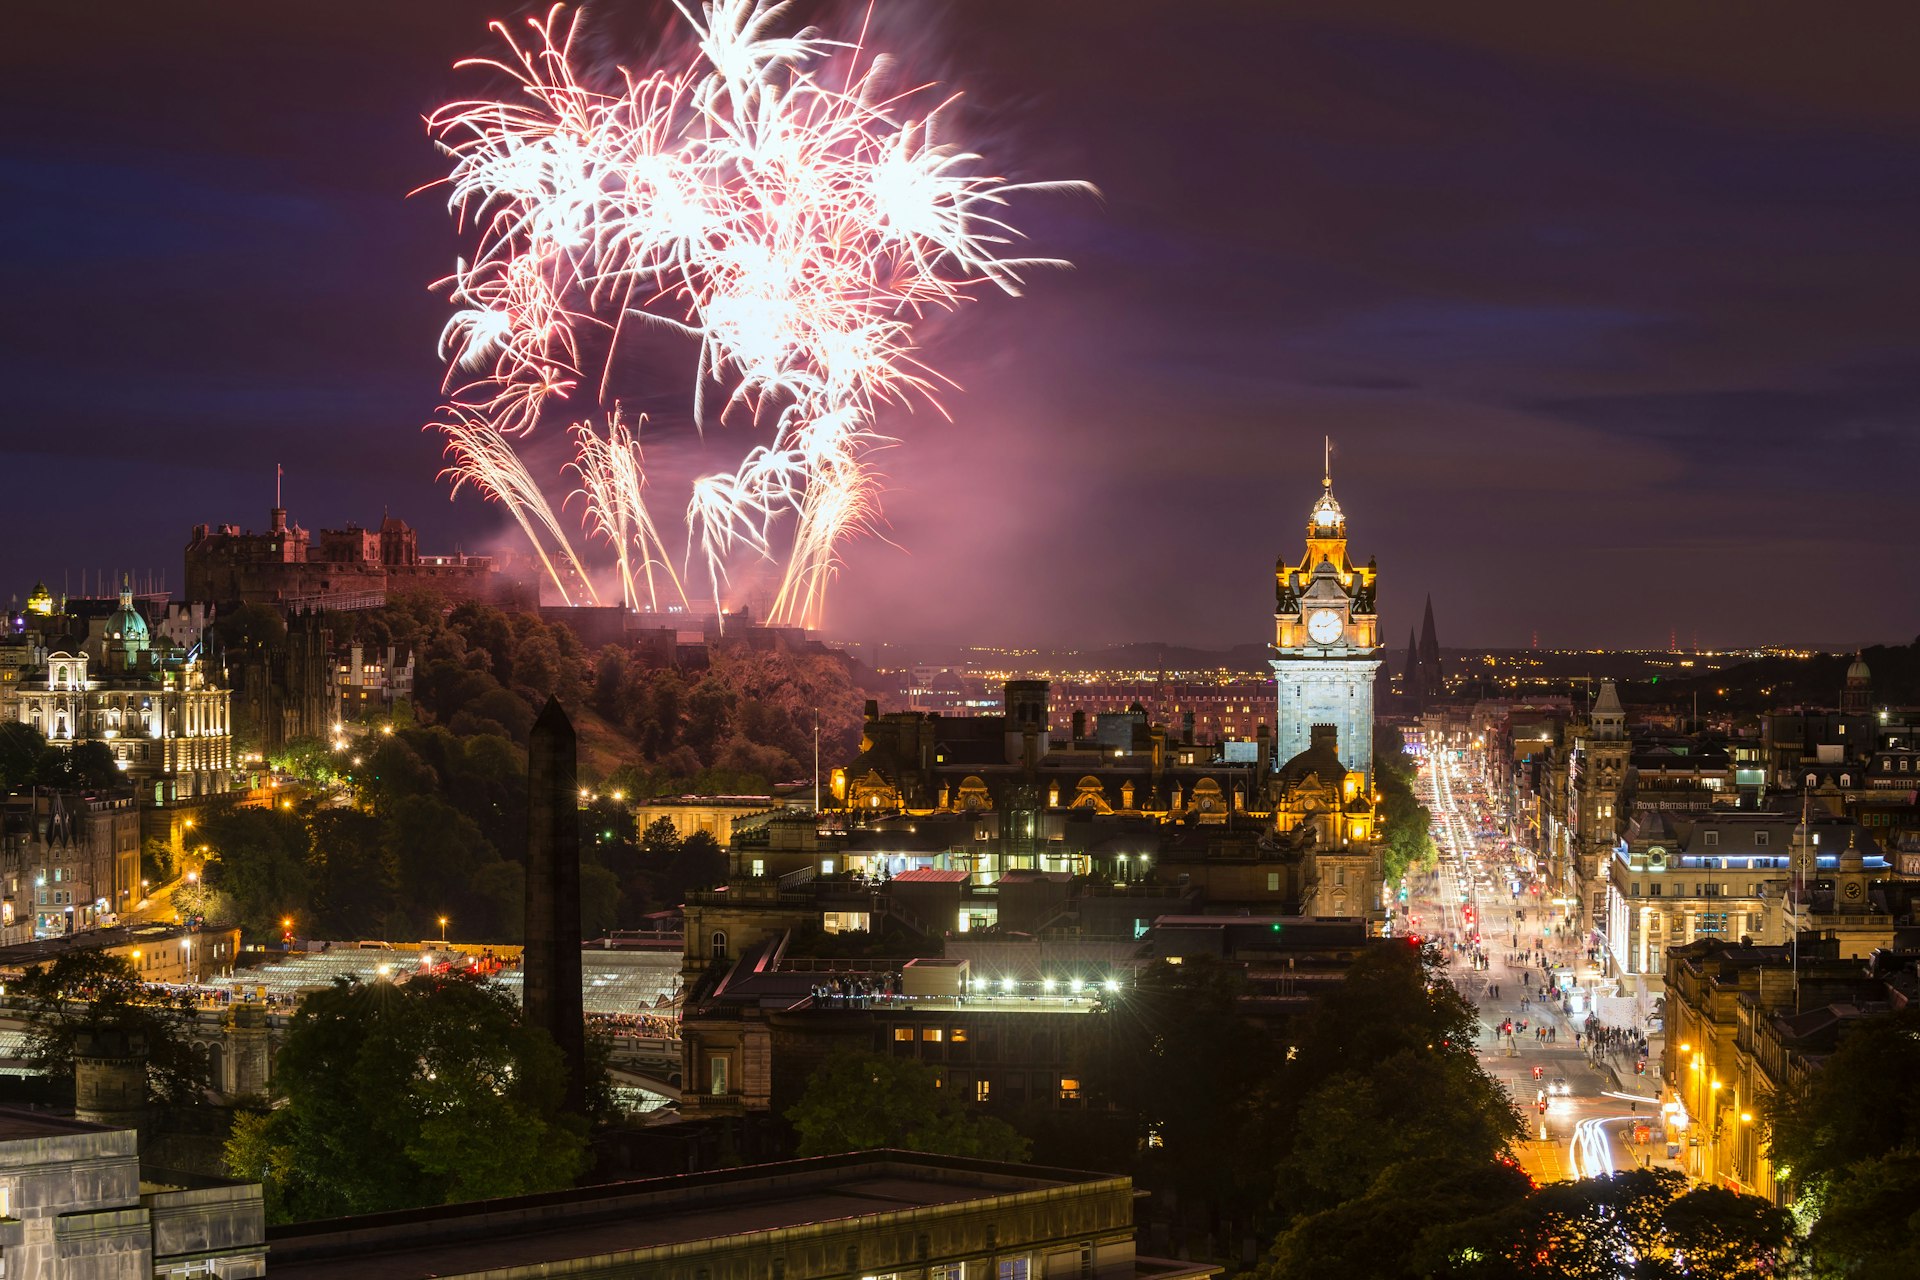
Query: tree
x: 86, y: 995
x: 84, y: 766
x: 1585, y: 1230
x: 1360, y: 1124
x: 395, y: 1096
x: 21, y: 746
x: 1848, y: 1143
x: 865, y: 1102
x: 1183, y: 1060
x: 352, y: 877
x: 1374, y: 1234
x: 1407, y: 825
x: 261, y: 865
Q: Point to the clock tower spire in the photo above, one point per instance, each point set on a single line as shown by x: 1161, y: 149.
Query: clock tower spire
x: 1326, y: 640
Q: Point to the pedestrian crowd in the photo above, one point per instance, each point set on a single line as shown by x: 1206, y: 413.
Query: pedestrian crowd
x: 856, y: 991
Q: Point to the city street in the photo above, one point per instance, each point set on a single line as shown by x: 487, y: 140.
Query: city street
x: 1480, y: 908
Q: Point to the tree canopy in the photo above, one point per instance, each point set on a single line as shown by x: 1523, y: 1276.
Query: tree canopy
x: 866, y: 1101
x: 89, y: 995
x: 1850, y: 1148
x: 392, y: 1096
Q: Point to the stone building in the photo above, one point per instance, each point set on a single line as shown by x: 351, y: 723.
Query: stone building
x: 163, y: 712
x: 73, y: 1206
x: 868, y: 1214
x: 1327, y: 640
x: 1325, y: 810
x: 350, y: 568
x: 70, y: 861
x: 1597, y: 778
x: 1747, y: 1022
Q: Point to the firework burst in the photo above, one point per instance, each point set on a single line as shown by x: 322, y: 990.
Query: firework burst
x: 770, y: 201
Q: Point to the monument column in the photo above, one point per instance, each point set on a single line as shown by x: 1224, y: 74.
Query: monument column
x: 550, y: 963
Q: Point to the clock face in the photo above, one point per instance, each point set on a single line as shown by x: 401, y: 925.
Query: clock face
x: 1324, y: 626
x: 1853, y: 890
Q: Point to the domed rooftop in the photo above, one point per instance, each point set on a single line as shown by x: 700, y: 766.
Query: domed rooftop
x: 125, y: 623
x: 1857, y: 673
x: 40, y: 600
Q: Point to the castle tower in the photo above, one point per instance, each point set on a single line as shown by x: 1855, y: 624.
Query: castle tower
x: 552, y: 998
x: 1326, y: 642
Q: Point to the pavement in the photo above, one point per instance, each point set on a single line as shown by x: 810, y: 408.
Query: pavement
x: 1587, y: 1131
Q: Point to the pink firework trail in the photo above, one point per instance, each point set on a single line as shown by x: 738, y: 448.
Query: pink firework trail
x: 768, y: 200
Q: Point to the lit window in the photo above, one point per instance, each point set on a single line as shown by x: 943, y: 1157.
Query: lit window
x: 931, y: 1035
x: 1069, y: 1088
x: 958, y: 1036
x: 903, y: 1035
x: 1014, y: 1269
x: 982, y: 1090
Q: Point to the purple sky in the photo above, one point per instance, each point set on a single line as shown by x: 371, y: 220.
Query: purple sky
x: 1612, y: 317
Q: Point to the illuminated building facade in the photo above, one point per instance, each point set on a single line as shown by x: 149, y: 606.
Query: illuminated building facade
x: 161, y: 712
x: 1326, y: 642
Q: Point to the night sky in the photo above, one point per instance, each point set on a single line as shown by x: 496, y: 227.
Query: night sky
x: 1613, y: 311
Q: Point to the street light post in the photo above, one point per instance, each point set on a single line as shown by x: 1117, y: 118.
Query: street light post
x: 443, y: 931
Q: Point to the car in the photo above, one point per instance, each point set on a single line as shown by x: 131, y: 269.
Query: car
x: 1559, y: 1087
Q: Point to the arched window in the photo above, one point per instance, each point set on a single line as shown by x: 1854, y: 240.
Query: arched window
x: 719, y: 944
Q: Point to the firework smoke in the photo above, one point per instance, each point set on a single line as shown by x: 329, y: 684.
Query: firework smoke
x: 768, y: 200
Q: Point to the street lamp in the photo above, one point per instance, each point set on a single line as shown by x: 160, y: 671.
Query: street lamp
x: 443, y: 931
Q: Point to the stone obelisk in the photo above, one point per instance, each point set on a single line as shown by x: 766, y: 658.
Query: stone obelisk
x: 551, y: 962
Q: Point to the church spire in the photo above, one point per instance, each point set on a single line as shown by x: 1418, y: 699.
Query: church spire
x: 1430, y: 649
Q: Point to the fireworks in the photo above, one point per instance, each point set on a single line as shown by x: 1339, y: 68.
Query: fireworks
x: 768, y: 200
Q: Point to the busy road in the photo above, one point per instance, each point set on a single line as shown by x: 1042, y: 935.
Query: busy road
x: 1484, y: 908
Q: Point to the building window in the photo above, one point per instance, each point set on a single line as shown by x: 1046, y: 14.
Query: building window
x: 957, y: 1036
x: 982, y: 1091
x: 1069, y: 1088
x: 903, y: 1035
x: 1273, y: 882
x: 719, y: 945
x: 931, y: 1035
x: 759, y: 867
x: 1014, y: 1269
x: 1710, y: 837
x: 947, y: 1271
x: 717, y: 1076
x: 1654, y: 889
x: 1760, y: 839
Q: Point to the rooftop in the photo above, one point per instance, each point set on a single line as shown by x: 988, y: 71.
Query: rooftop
x: 490, y: 1236
x: 20, y: 1125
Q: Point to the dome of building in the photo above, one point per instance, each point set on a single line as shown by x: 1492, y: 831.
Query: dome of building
x: 40, y: 600
x: 1327, y: 516
x: 1858, y: 673
x: 125, y: 623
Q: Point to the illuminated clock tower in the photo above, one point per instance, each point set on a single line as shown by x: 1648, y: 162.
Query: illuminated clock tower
x: 1326, y: 642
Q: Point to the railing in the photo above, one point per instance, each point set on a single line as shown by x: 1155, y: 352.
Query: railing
x: 794, y: 879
